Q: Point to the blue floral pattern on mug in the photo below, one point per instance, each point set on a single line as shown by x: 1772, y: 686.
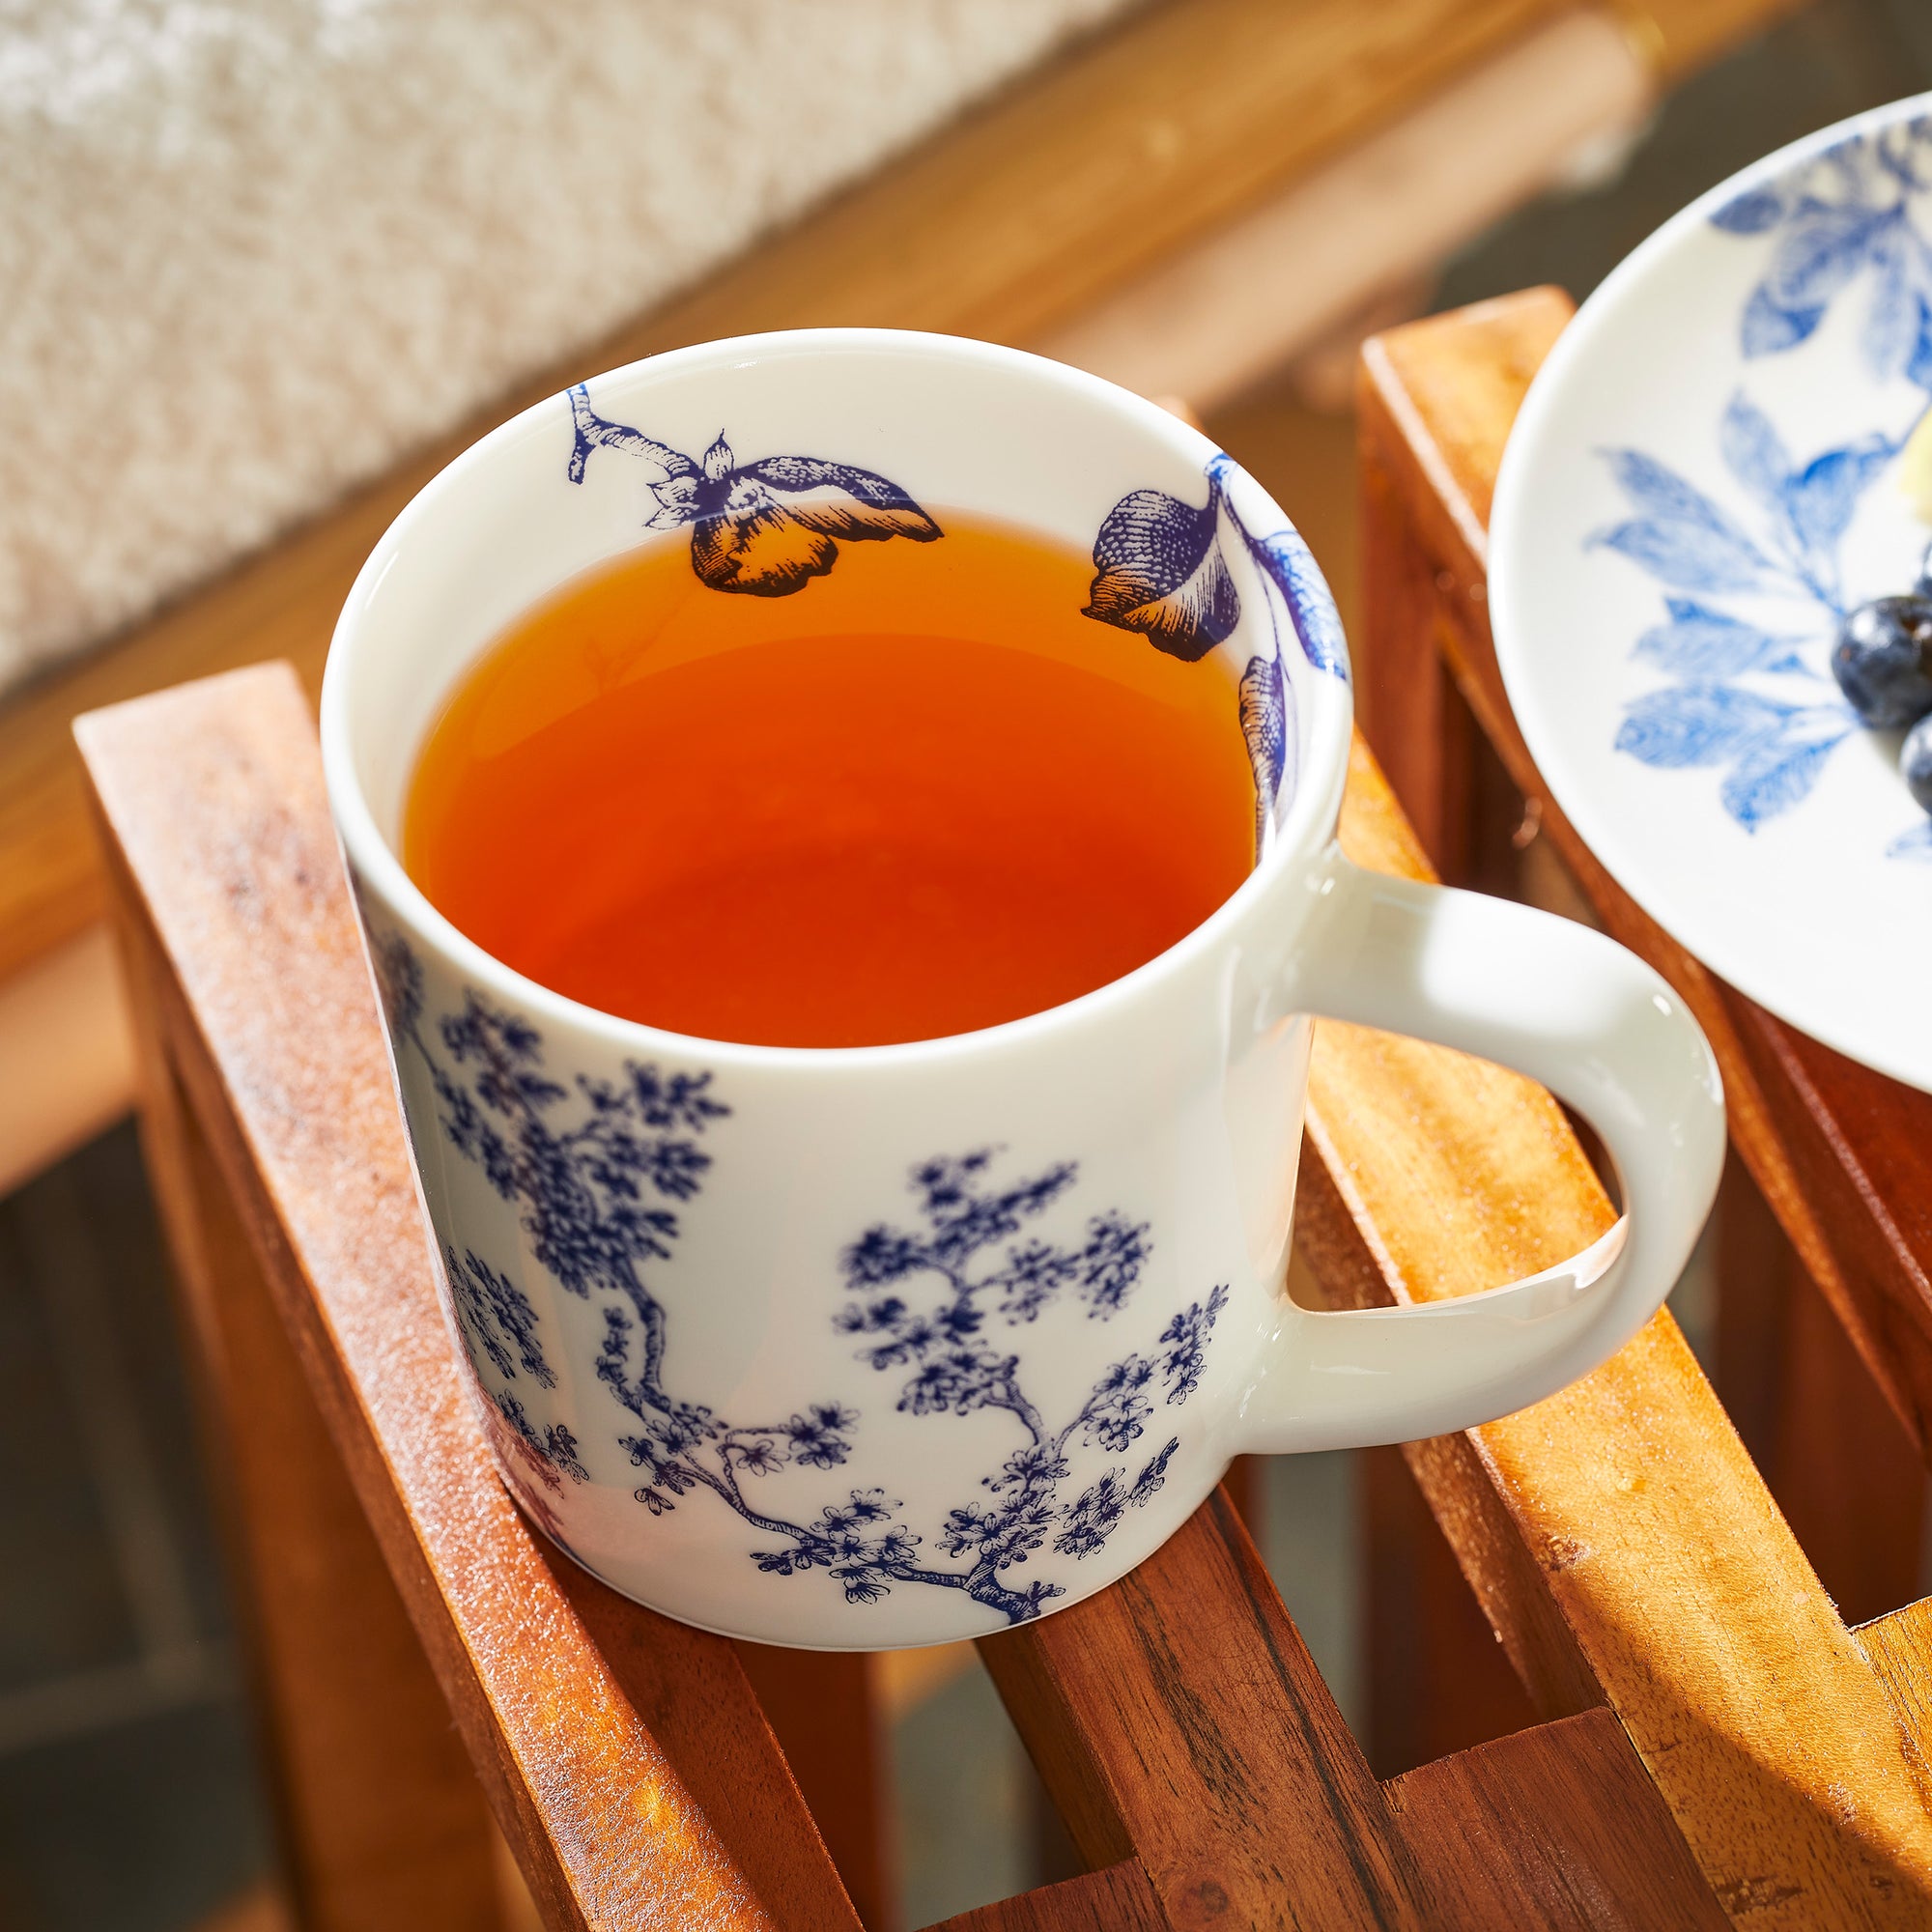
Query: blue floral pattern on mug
x: 1753, y: 594
x: 764, y: 529
x: 599, y: 1175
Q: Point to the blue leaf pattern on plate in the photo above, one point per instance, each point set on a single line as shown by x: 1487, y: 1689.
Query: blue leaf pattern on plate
x: 1773, y: 748
x: 1914, y: 845
x: 1772, y: 774
x: 1847, y: 217
x: 1697, y: 724
x: 1702, y: 643
x: 1682, y: 538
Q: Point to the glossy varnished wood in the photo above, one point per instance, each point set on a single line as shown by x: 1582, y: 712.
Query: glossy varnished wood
x: 1178, y: 1717
x: 1117, y: 1899
x: 1574, y: 1791
x: 381, y: 1819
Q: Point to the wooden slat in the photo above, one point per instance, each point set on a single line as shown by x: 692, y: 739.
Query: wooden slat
x: 1433, y: 1678
x: 624, y: 1757
x: 1843, y: 1156
x: 1002, y: 226
x: 1683, y: 34
x: 1224, y: 311
x: 1618, y: 1535
x: 1117, y: 1899
x: 1899, y: 1646
x: 827, y: 1709
x: 381, y: 1819
x: 1178, y: 1717
x: 1551, y: 1818
x: 68, y: 1055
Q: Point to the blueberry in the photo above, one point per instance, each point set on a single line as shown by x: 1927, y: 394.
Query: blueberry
x: 1923, y: 587
x: 1882, y: 661
x: 1915, y: 761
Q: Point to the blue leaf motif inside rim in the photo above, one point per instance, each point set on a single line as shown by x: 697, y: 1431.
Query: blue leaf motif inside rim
x: 768, y: 527
x: 1160, y: 570
x: 763, y: 529
x: 1161, y: 573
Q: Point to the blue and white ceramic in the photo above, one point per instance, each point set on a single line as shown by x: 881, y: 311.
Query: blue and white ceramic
x: 891, y: 1346
x: 1703, y: 478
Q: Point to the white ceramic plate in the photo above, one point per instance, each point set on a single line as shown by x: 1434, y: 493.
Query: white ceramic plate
x: 1704, y: 475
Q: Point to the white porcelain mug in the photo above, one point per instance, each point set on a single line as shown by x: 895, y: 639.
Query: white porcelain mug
x: 889, y: 1346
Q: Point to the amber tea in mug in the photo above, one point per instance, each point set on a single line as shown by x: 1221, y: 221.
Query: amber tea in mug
x: 924, y: 796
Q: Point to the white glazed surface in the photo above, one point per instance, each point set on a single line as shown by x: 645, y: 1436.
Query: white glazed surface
x: 1161, y: 1115
x: 1786, y: 852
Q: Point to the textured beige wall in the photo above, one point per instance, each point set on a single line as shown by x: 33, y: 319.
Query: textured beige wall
x: 253, y: 251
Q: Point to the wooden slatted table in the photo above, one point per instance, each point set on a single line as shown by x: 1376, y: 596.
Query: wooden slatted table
x: 1714, y: 1743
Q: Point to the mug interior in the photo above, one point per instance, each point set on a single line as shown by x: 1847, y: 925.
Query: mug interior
x: 1191, y: 557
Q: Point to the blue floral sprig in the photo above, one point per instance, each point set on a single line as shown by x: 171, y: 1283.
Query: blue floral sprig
x: 1848, y: 216
x: 1771, y: 735
x: 957, y: 1369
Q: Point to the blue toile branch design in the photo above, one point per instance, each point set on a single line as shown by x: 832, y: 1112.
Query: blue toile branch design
x: 763, y: 529
x: 1749, y: 694
x: 599, y: 1174
x: 977, y: 1266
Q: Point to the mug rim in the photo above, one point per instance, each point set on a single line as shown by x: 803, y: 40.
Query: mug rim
x: 1304, y: 830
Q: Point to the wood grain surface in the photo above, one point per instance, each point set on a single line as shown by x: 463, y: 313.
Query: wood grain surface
x: 380, y: 1818
x: 1179, y: 1715
x: 1576, y: 1792
x: 1117, y: 1899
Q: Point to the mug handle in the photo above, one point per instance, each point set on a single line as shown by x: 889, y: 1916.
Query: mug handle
x: 1595, y: 1025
